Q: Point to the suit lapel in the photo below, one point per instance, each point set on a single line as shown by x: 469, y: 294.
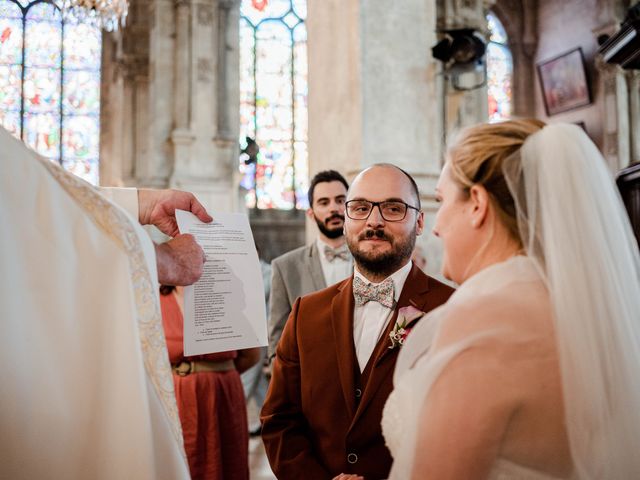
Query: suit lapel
x: 314, y: 266
x: 342, y: 322
x: 413, y: 293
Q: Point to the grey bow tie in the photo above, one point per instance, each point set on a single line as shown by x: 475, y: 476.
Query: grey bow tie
x: 382, y: 293
x: 332, y: 253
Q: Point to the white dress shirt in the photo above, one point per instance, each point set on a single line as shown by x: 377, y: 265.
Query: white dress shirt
x: 371, y: 319
x: 338, y: 269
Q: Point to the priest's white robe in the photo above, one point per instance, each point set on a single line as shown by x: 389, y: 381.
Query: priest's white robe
x: 85, y: 383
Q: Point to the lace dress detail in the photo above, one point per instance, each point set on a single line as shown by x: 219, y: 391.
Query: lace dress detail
x: 416, y: 372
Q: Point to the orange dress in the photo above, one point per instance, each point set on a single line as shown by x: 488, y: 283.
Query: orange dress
x: 211, y: 406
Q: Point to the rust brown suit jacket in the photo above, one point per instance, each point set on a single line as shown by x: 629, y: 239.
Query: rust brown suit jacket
x: 322, y: 416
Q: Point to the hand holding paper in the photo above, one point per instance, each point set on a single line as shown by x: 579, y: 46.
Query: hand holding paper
x: 225, y: 309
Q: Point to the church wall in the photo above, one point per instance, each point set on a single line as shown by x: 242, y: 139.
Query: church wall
x: 563, y: 26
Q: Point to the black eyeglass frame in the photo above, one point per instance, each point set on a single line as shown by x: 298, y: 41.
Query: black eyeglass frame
x: 378, y: 204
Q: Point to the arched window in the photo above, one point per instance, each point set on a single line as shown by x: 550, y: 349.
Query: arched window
x: 273, y: 102
x: 499, y: 71
x: 50, y: 83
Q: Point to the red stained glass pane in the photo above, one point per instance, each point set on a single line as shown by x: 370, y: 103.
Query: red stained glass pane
x: 499, y: 72
x: 10, y: 39
x: 33, y: 99
x: 264, y: 9
x: 273, y: 105
x: 42, y: 90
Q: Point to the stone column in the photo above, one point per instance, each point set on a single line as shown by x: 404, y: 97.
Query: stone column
x: 375, y: 93
x: 463, y: 107
x: 204, y: 135
x: 172, y: 95
x: 615, y: 87
x: 181, y: 136
x: 521, y: 27
x: 124, y: 139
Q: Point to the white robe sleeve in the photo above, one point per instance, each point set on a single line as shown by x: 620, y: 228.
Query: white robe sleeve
x: 125, y: 198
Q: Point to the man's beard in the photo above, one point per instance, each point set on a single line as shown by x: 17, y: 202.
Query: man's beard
x: 382, y: 264
x: 330, y: 232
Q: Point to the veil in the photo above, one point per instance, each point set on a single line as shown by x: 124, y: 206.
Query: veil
x: 575, y: 228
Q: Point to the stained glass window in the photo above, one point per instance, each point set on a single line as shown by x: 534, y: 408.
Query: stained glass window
x: 499, y: 71
x: 50, y: 83
x: 273, y: 102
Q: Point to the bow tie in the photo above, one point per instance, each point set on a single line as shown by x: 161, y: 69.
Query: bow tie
x: 331, y: 254
x: 382, y: 293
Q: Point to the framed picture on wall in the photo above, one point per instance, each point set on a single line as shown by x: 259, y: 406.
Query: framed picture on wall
x: 564, y: 84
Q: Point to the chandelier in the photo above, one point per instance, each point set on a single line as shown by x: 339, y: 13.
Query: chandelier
x: 104, y: 14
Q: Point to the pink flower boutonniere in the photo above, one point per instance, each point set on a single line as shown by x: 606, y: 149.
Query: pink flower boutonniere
x: 399, y: 334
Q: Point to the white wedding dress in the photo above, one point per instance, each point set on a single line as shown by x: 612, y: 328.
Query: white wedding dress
x: 416, y: 371
x: 581, y: 248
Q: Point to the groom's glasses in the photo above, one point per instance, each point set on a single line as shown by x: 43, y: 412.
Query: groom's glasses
x: 391, y: 211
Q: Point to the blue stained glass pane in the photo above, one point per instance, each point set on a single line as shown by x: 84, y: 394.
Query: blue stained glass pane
x: 44, y: 12
x: 80, y: 136
x: 300, y: 7
x: 81, y: 92
x: 300, y: 85
x: 10, y: 120
x: 85, y: 168
x: 291, y: 20
x: 10, y: 87
x: 496, y: 30
x: 247, y: 85
x: 42, y: 133
x: 43, y: 41
x: 9, y: 10
x: 82, y: 46
x: 302, y: 174
x: 278, y: 88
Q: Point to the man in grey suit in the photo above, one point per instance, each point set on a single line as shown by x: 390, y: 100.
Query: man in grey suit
x: 313, y: 267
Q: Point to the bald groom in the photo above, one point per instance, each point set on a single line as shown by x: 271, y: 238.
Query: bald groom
x: 333, y: 368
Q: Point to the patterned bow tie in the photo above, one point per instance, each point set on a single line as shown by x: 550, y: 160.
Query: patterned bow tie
x: 382, y: 293
x: 331, y: 254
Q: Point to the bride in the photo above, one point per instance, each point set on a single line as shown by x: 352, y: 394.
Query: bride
x: 532, y: 369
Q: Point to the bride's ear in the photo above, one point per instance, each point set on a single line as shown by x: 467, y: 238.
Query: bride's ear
x: 479, y: 203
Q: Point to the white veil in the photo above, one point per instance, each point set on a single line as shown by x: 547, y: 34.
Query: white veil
x: 574, y: 226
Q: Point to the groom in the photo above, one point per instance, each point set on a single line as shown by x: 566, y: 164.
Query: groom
x: 334, y: 363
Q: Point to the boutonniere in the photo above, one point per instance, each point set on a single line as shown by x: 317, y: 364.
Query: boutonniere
x: 399, y: 334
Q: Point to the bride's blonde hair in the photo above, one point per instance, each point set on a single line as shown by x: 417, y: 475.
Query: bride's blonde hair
x: 477, y: 155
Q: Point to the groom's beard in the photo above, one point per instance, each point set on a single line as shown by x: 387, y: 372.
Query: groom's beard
x: 332, y: 233
x: 382, y: 263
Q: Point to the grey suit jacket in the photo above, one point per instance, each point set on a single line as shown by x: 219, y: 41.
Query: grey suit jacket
x: 294, y: 274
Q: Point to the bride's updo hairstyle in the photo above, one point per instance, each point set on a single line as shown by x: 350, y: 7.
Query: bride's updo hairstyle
x: 477, y: 156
